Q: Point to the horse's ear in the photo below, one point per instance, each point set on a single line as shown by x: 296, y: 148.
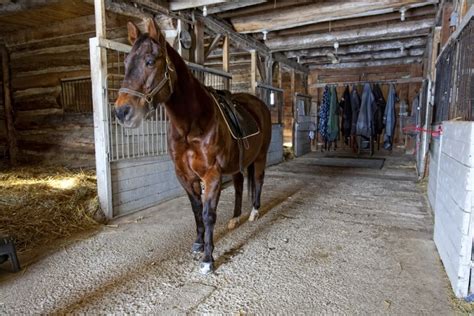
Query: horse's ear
x: 133, y: 32
x: 154, y: 31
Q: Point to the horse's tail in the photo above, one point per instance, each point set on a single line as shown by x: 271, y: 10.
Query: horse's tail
x: 251, y: 181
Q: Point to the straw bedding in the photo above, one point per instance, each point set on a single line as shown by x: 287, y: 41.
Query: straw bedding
x: 40, y: 205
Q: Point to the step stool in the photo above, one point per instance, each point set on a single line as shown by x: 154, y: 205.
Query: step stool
x: 7, y: 249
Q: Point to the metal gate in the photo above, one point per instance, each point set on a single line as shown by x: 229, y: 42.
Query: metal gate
x: 134, y: 170
x: 302, y: 124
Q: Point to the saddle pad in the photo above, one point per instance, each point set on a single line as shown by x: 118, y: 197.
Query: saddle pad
x: 240, y: 122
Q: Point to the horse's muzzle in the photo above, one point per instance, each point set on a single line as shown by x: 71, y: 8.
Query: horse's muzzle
x: 122, y: 112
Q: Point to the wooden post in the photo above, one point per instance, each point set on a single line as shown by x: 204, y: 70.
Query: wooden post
x: 280, y: 79
x: 226, y: 60
x: 199, y: 45
x: 253, y: 71
x: 7, y: 102
x: 98, y: 60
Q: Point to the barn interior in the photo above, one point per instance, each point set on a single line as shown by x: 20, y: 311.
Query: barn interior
x: 72, y: 177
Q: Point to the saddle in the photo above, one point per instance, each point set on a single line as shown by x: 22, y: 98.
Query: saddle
x: 239, y: 121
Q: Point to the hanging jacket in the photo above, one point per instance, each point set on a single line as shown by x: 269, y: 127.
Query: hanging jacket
x: 346, y: 113
x: 390, y: 119
x: 365, y: 121
x: 379, y: 109
x: 333, y: 122
x: 324, y: 115
x: 355, y: 107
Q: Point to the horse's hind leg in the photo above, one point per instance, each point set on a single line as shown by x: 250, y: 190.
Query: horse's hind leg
x: 238, y: 180
x: 259, y: 175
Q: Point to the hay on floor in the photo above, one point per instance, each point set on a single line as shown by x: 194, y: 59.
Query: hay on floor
x: 40, y: 205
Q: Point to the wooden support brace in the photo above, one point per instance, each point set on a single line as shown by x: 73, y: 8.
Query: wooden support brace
x: 253, y: 71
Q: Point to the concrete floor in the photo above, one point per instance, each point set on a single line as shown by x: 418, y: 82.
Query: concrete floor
x: 339, y: 240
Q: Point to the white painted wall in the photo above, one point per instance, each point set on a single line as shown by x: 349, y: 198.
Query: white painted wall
x: 450, y: 191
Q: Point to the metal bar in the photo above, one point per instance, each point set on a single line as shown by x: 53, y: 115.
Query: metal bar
x: 394, y: 81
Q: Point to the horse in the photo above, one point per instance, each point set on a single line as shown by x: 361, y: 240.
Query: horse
x: 200, y: 143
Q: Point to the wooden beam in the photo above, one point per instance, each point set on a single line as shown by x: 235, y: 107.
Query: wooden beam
x: 320, y: 12
x: 176, y: 5
x: 215, y: 42
x: 225, y: 60
x: 405, y: 29
x: 395, y: 61
x: 269, y: 6
x: 291, y: 63
x: 253, y: 71
x: 100, y: 19
x: 417, y: 52
x: 360, y: 48
x: 228, y: 6
x: 12, y: 7
x: 360, y: 22
x: 8, y: 106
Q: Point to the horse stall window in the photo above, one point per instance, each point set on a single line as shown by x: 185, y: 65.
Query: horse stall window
x: 454, y: 93
x: 76, y: 95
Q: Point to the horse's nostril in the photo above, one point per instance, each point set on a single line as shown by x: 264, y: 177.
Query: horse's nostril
x: 122, y: 112
x: 126, y: 110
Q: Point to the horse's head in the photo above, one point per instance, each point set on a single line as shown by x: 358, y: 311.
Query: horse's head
x: 147, y: 76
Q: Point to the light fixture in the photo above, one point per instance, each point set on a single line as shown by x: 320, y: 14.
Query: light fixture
x: 272, y: 98
x: 204, y: 11
x: 336, y: 46
x: 264, y: 32
x: 402, y: 13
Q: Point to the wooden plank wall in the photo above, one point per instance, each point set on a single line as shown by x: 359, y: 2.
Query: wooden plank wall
x: 40, y: 58
x: 405, y: 91
x: 290, y: 89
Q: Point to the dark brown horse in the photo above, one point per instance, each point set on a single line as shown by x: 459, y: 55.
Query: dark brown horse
x: 200, y: 143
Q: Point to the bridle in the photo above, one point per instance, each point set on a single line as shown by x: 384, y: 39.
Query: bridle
x: 148, y: 97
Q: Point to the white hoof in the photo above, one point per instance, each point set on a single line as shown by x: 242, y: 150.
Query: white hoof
x: 253, y: 215
x: 233, y: 223
x: 206, y: 267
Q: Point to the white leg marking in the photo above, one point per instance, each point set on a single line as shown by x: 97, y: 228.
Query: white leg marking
x: 253, y: 215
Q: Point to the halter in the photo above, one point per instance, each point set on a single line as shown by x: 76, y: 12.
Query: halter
x: 148, y: 97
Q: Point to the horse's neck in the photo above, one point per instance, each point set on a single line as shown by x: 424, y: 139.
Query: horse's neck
x: 190, y: 104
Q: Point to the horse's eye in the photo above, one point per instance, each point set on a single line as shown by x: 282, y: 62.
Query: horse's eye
x: 150, y: 62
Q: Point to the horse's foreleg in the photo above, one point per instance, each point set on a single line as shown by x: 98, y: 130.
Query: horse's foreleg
x: 212, y: 191
x: 238, y: 180
x: 193, y: 189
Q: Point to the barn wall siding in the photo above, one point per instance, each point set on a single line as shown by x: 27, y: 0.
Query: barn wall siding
x: 453, y: 196
x: 3, y: 129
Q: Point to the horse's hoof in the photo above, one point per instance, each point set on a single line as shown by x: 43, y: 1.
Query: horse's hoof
x: 233, y: 223
x: 253, y: 215
x: 206, y: 267
x: 197, y: 247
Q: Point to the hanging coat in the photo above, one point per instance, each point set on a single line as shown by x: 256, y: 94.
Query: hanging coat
x: 324, y: 115
x: 379, y: 109
x: 333, y: 122
x: 390, y: 119
x: 345, y: 104
x: 365, y: 121
x: 355, y: 106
